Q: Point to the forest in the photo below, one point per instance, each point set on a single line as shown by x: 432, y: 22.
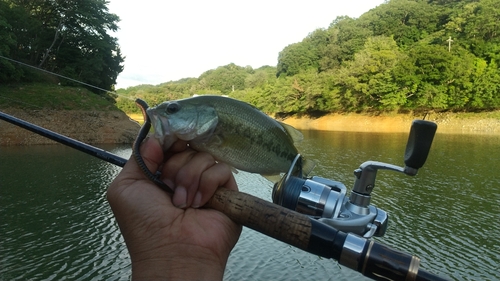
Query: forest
x: 69, y: 38
x: 404, y: 55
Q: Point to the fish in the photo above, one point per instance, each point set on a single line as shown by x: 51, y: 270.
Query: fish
x: 232, y: 131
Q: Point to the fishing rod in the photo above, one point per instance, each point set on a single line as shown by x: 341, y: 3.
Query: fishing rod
x: 371, y: 258
x: 78, y: 145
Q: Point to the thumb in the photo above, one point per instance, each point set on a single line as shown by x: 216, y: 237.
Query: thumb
x: 131, y: 173
x: 152, y: 155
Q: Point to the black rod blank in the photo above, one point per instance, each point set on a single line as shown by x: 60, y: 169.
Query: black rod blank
x: 89, y: 149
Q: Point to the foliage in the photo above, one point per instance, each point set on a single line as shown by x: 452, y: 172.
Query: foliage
x: 416, y: 70
x: 398, y: 56
x: 225, y: 79
x: 66, y: 37
x: 476, y: 26
x: 394, y: 57
x: 405, y: 21
x: 367, y: 80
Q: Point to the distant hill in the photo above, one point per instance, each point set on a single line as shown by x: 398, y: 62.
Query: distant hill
x: 435, y: 55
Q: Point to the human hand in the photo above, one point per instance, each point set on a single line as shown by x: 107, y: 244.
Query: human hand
x: 168, y: 242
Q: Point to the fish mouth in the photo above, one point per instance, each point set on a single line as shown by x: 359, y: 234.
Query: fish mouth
x: 159, y: 123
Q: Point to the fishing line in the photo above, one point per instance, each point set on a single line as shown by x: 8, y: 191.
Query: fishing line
x: 68, y: 78
x: 39, y: 107
x: 368, y: 257
x: 82, y: 146
x: 62, y: 76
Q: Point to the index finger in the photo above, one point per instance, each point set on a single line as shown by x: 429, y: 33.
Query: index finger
x: 153, y: 157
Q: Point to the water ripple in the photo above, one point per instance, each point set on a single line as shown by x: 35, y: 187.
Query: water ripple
x: 55, y: 223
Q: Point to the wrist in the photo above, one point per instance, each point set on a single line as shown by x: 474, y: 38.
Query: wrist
x: 190, y: 264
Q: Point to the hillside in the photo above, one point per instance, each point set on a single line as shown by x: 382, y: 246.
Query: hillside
x: 438, y: 59
x: 74, y: 112
x: 404, y: 55
x: 50, y: 95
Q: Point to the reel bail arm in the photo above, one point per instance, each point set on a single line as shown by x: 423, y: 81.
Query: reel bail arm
x: 417, y: 149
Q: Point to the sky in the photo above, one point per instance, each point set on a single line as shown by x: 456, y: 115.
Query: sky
x: 166, y: 40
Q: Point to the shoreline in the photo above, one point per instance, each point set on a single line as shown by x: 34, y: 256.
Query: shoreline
x: 88, y: 126
x: 448, y: 123
x: 95, y: 127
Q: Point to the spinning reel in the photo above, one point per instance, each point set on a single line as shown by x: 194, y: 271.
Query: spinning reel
x: 327, y: 201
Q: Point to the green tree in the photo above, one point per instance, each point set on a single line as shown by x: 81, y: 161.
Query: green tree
x: 260, y: 77
x: 8, y: 71
x: 405, y: 20
x: 346, y: 36
x: 485, y: 86
x: 323, y: 50
x: 367, y: 82
x: 476, y: 27
x: 225, y: 79
x: 432, y: 68
x: 316, y: 92
x: 297, y: 57
x: 68, y: 37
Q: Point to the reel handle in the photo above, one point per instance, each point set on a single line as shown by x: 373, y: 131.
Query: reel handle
x: 419, y: 143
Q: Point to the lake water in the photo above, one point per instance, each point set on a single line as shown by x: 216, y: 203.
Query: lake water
x: 55, y: 223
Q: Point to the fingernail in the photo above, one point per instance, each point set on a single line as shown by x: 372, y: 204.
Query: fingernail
x: 197, y: 200
x: 180, y: 197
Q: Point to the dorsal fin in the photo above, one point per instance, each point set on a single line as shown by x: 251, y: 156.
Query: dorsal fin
x: 294, y: 133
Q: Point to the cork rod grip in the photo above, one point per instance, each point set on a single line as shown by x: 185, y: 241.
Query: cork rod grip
x: 263, y: 216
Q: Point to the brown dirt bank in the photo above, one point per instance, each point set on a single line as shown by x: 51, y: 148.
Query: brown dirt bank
x: 86, y: 126
x: 451, y: 123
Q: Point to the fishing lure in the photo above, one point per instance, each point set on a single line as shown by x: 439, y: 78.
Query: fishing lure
x: 143, y: 133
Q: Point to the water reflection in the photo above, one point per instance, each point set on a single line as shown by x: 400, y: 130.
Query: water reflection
x: 447, y: 214
x: 258, y: 257
x: 55, y: 222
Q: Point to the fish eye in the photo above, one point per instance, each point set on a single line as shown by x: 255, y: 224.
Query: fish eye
x: 173, y: 108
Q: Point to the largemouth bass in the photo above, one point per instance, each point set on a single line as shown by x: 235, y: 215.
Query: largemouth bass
x: 232, y: 131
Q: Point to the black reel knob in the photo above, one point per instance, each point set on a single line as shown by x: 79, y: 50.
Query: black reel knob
x: 419, y: 143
